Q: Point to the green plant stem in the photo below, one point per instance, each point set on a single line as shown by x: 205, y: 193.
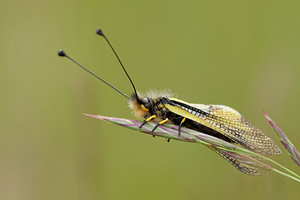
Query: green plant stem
x: 286, y: 175
x: 281, y: 166
x: 193, y: 136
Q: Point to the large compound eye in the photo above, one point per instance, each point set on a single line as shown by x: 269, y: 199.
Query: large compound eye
x: 145, y: 101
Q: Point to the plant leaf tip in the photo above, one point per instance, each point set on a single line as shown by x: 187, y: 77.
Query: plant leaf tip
x: 90, y: 115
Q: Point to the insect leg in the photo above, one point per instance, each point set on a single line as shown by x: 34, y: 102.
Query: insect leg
x: 147, y: 120
x: 161, y: 122
x: 179, y: 129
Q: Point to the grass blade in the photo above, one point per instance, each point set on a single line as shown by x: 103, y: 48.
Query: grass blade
x: 241, y: 158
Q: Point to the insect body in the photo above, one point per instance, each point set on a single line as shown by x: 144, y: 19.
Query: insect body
x: 216, y: 120
x: 220, y: 121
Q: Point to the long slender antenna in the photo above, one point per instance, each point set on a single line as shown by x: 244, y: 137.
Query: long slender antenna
x: 100, y: 32
x: 63, y: 54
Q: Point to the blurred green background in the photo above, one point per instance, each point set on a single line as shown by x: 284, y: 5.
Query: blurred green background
x: 244, y: 54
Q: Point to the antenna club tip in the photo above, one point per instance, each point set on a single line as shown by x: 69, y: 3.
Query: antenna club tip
x: 61, y: 53
x: 99, y: 32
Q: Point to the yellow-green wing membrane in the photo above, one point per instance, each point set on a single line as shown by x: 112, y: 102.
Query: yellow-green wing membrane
x: 226, y: 121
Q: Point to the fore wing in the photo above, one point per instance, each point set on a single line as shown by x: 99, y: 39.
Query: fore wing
x: 226, y: 121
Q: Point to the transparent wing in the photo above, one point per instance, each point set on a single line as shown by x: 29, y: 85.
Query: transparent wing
x: 246, y: 164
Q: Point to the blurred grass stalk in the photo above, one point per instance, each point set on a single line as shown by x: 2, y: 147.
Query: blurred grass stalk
x: 187, y: 135
x: 286, y: 143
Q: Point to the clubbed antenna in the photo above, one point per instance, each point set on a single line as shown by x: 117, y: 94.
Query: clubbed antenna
x: 63, y: 54
x: 100, y: 32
